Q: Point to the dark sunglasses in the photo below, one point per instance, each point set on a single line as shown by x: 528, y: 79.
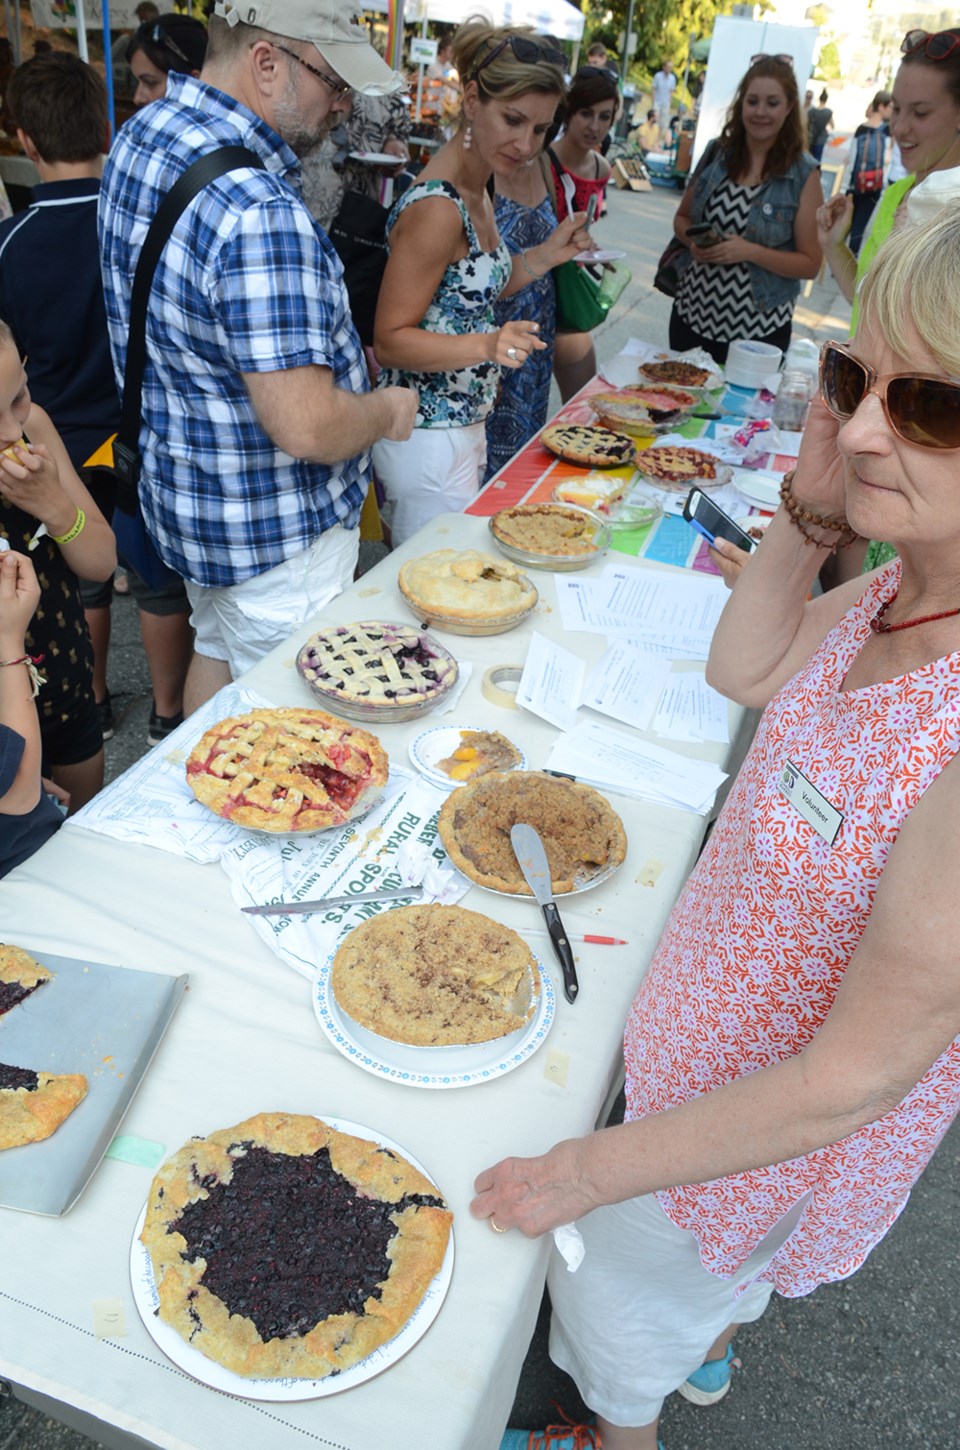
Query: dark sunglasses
x: 919, y: 408
x: 764, y: 55
x: 152, y: 31
x: 527, y: 51
x: 936, y: 46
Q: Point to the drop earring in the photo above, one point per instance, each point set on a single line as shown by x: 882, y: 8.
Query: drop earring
x: 467, y: 137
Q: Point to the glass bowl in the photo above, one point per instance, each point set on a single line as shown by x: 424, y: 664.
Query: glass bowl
x: 422, y: 697
x: 640, y: 508
x: 596, y: 531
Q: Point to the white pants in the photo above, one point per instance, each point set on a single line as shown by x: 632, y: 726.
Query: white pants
x: 641, y: 1312
x: 240, y: 623
x: 435, y: 471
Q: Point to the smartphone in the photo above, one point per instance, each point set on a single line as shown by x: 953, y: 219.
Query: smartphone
x: 713, y: 523
x: 704, y: 234
x: 591, y: 211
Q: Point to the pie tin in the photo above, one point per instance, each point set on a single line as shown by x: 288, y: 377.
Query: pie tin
x: 380, y: 712
x: 597, y: 428
x: 724, y: 475
x: 474, y: 627
x: 558, y: 563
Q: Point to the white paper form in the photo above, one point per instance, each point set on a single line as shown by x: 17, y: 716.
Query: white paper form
x: 691, y: 710
x: 552, y: 682
x: 620, y: 762
x: 627, y: 683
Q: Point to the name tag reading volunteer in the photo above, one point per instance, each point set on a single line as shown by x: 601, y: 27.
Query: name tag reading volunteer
x: 816, y: 810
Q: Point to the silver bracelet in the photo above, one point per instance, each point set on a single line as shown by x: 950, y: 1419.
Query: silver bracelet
x: 535, y: 275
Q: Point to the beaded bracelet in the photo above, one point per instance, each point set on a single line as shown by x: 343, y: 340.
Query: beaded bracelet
x: 31, y: 662
x: 801, y: 517
x: 79, y: 524
x: 535, y: 275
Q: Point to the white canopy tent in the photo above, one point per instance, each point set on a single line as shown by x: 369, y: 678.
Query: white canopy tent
x: 547, y: 17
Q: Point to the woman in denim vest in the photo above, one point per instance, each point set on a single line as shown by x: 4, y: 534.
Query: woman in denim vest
x: 759, y: 191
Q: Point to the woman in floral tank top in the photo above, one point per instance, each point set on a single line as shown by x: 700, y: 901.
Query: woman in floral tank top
x: 793, y: 1054
x: 435, y: 328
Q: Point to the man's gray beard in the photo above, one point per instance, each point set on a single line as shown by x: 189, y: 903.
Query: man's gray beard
x: 288, y: 123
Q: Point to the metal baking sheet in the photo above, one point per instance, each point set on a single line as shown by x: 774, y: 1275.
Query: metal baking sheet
x: 105, y: 1022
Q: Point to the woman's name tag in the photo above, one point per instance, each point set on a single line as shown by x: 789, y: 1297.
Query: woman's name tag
x: 816, y: 810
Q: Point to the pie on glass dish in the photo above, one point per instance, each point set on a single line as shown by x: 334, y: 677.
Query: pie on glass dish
x: 287, y: 770
x: 284, y: 1248
x: 588, y: 446
x: 34, y: 1104
x: 676, y: 467
x: 674, y: 370
x: 377, y: 666
x: 19, y: 976
x: 582, y: 833
x: 547, y: 528
x: 436, y: 976
x: 466, y: 585
x: 633, y: 409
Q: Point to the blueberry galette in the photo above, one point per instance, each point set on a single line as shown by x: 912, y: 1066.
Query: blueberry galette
x: 19, y: 976
x: 34, y: 1104
x: 282, y: 1247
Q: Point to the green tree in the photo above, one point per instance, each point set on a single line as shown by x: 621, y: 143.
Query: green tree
x: 664, y: 29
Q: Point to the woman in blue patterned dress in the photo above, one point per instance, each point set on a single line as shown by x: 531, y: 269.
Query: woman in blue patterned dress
x: 435, y: 329
x: 525, y: 217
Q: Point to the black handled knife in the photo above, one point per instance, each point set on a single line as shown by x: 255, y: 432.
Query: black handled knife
x: 532, y: 859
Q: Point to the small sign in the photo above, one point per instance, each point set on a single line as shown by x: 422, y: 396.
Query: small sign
x: 422, y: 51
x: 816, y: 810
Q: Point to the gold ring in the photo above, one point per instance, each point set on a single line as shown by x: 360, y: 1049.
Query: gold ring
x: 495, y: 1226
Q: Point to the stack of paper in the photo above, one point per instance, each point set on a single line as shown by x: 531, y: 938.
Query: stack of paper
x: 622, y: 763
x: 665, y: 614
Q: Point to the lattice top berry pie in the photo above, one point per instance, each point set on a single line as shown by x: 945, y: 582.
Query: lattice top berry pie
x: 287, y: 770
x: 376, y: 664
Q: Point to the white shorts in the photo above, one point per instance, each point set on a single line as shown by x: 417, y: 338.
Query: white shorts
x: 435, y: 471
x: 240, y: 623
x: 641, y: 1312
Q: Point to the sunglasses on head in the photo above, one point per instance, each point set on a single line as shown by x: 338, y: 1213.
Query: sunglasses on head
x: 936, y: 46
x: 527, y: 51
x: 152, y: 31
x: 919, y: 408
x: 781, y: 57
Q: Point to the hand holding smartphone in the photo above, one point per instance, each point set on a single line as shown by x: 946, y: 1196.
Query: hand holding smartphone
x: 704, y: 234
x: 713, y: 523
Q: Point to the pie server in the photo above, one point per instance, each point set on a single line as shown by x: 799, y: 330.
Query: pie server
x: 323, y: 903
x: 532, y: 860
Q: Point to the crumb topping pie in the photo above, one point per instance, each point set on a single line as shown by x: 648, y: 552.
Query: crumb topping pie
x: 434, y: 976
x: 284, y: 1248
x: 287, y: 770
x: 479, y: 752
x: 467, y: 585
x: 546, y: 528
x: 377, y: 664
x: 581, y: 832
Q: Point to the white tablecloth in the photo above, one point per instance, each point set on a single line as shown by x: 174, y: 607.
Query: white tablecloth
x: 244, y: 1039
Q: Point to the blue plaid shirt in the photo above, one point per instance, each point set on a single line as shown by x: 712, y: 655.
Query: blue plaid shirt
x: 247, y: 283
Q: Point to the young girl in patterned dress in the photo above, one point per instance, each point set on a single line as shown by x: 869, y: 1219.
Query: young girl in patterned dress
x: 435, y: 327
x: 760, y: 190
x: 793, y: 1054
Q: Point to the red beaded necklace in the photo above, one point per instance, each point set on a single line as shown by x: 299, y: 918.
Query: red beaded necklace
x: 879, y: 626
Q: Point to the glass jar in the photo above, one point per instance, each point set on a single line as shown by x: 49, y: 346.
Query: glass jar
x: 792, y: 402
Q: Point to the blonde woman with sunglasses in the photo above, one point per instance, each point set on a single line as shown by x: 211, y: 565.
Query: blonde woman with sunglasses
x: 793, y: 1054
x: 435, y: 328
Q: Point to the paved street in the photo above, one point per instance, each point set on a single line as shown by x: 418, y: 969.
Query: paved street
x: 873, y: 1362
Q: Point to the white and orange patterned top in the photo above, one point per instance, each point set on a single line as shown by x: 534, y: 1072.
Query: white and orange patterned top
x: 757, y: 945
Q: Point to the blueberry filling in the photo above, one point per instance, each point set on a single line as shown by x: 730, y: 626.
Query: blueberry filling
x: 17, y: 1077
x: 289, y: 1242
x: 13, y: 992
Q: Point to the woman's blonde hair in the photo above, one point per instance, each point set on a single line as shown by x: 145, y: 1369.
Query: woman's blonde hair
x: 911, y: 288
x: 506, y: 76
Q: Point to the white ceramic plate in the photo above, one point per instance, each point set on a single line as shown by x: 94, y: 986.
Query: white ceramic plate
x: 438, y: 744
x: 376, y: 158
x: 430, y: 1067
x: 761, y: 489
x: 611, y: 254
x: 208, y: 1372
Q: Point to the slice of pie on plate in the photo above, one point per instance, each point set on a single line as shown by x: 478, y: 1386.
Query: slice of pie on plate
x: 34, y: 1104
x: 284, y: 1248
x: 436, y: 976
x: 287, y: 770
x: 19, y: 976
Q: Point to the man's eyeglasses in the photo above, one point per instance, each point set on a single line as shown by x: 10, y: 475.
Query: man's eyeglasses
x: 783, y: 58
x: 937, y: 46
x: 919, y: 408
x: 339, y: 88
x: 527, y: 51
x: 154, y: 32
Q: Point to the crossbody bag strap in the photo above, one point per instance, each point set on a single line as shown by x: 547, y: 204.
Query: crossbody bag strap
x: 126, y: 447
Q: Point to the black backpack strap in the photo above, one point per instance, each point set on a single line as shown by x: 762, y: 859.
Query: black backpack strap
x: 126, y: 446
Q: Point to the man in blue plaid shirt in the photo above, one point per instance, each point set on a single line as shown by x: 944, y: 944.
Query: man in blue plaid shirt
x: 257, y: 419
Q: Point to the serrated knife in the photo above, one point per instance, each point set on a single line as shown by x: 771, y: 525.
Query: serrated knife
x: 532, y: 860
x: 325, y: 903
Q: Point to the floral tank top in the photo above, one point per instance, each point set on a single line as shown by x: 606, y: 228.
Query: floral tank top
x: 462, y: 304
x: 757, y: 945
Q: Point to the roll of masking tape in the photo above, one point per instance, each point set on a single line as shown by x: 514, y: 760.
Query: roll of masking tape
x: 500, y: 684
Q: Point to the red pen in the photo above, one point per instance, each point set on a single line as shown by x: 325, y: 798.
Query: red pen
x: 589, y: 939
